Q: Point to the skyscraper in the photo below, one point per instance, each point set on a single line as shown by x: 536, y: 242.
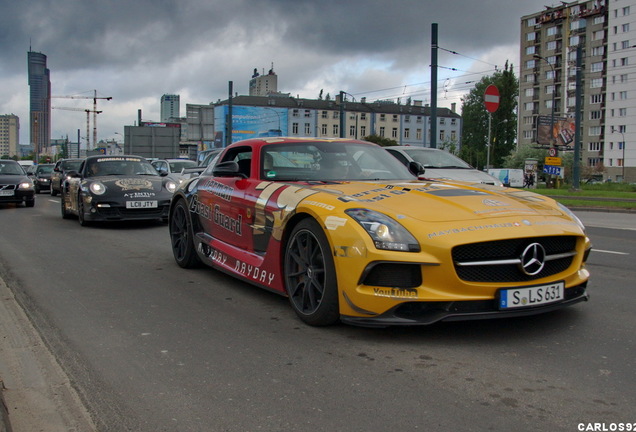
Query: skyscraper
x: 169, y: 107
x: 40, y: 102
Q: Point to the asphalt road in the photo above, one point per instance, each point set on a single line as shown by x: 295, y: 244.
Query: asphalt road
x: 149, y: 346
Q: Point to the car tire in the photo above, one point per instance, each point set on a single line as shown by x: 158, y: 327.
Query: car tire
x: 65, y: 213
x: 181, y: 237
x: 53, y: 191
x: 80, y: 211
x: 29, y: 203
x: 309, y: 275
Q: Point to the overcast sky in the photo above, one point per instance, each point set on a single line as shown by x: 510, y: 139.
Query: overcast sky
x: 137, y: 50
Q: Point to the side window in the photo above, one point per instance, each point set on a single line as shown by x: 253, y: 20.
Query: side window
x: 399, y: 157
x: 242, y: 156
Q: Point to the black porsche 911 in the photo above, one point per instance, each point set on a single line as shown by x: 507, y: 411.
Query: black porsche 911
x: 15, y: 186
x: 114, y: 188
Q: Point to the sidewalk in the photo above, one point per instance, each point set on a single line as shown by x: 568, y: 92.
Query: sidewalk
x: 35, y: 393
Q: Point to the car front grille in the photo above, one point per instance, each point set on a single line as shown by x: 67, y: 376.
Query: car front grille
x: 501, y: 260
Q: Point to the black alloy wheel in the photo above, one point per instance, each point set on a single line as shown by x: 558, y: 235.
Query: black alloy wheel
x: 181, y: 237
x: 80, y: 211
x: 309, y: 274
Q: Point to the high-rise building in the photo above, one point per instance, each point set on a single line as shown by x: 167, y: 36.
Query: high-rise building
x: 40, y: 102
x: 9, y: 135
x: 548, y: 91
x: 263, y: 85
x: 169, y: 107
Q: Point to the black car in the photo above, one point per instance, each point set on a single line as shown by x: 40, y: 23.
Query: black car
x: 42, y: 177
x: 15, y: 186
x: 113, y: 188
x: 59, y: 173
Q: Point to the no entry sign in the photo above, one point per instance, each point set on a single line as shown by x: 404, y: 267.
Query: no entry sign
x: 491, y: 98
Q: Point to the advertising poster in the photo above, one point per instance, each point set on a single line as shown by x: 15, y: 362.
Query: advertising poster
x: 561, y: 133
x: 251, y: 122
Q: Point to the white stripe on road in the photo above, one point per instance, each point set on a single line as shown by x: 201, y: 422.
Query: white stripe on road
x: 610, y: 252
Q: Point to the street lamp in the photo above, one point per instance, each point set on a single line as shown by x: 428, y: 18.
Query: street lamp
x: 537, y: 56
x: 614, y: 131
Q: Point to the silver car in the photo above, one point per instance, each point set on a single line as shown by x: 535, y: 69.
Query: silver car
x: 440, y: 164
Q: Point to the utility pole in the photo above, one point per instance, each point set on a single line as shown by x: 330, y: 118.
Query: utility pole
x: 433, y: 86
x: 577, y: 120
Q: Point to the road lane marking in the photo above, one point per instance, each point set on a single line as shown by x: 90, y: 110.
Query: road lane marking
x: 610, y: 252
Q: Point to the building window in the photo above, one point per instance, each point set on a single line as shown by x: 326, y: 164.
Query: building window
x: 307, y: 129
x: 307, y: 113
x: 595, y: 115
x: 363, y: 116
x: 382, y: 131
x: 595, y: 130
x: 407, y: 133
x: 596, y: 83
x: 596, y: 99
x: 552, y: 45
x: 323, y: 129
x: 442, y: 135
x: 295, y: 112
x: 295, y: 128
x: 598, y: 35
x: 382, y: 117
x: 595, y: 146
x: 419, y: 119
x: 531, y: 50
x: 453, y: 135
x: 597, y: 67
x: 336, y: 130
x: 336, y: 115
x: 552, y: 31
x: 395, y: 118
x: 593, y: 161
x: 352, y: 131
x: 363, y: 131
x: 394, y: 133
x: 324, y: 114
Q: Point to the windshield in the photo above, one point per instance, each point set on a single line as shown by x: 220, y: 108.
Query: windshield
x: 10, y: 168
x: 45, y: 169
x: 325, y: 161
x: 178, y: 166
x: 436, y: 159
x: 119, y: 166
x: 71, y: 165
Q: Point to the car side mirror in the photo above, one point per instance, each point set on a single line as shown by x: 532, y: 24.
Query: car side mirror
x: 416, y: 168
x: 227, y: 169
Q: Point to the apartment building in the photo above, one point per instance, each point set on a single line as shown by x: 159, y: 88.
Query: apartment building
x: 547, y: 81
x: 275, y: 115
x: 9, y: 135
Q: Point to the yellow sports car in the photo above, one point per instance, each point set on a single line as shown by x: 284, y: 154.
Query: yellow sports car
x: 348, y: 233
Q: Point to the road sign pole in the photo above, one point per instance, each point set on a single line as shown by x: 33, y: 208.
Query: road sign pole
x: 488, y: 143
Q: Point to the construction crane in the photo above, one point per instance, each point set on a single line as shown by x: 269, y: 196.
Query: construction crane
x: 88, y: 119
x: 94, y: 111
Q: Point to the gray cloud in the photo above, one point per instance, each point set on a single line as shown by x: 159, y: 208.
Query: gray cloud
x: 138, y: 50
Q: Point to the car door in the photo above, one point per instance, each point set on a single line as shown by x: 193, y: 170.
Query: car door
x: 220, y: 202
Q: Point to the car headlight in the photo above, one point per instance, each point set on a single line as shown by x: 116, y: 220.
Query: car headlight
x: 25, y: 185
x: 385, y: 232
x: 171, y: 186
x: 97, y: 188
x: 570, y: 213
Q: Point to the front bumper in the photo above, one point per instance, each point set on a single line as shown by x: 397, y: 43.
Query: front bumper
x: 425, y: 313
x: 109, y: 211
x: 19, y: 196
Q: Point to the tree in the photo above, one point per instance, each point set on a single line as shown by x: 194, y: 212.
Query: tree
x: 504, y: 120
x: 384, y: 142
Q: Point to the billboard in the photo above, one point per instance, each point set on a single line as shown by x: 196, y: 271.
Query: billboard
x: 251, y: 122
x: 561, y: 134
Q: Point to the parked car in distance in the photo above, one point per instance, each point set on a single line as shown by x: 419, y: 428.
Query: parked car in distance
x: 440, y: 164
x: 15, y: 185
x: 174, y: 168
x: 114, y: 188
x: 42, y: 177
x: 348, y: 233
x: 60, y: 169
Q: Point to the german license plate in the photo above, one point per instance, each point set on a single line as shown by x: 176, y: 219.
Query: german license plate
x: 6, y: 193
x: 141, y: 204
x: 531, y: 296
